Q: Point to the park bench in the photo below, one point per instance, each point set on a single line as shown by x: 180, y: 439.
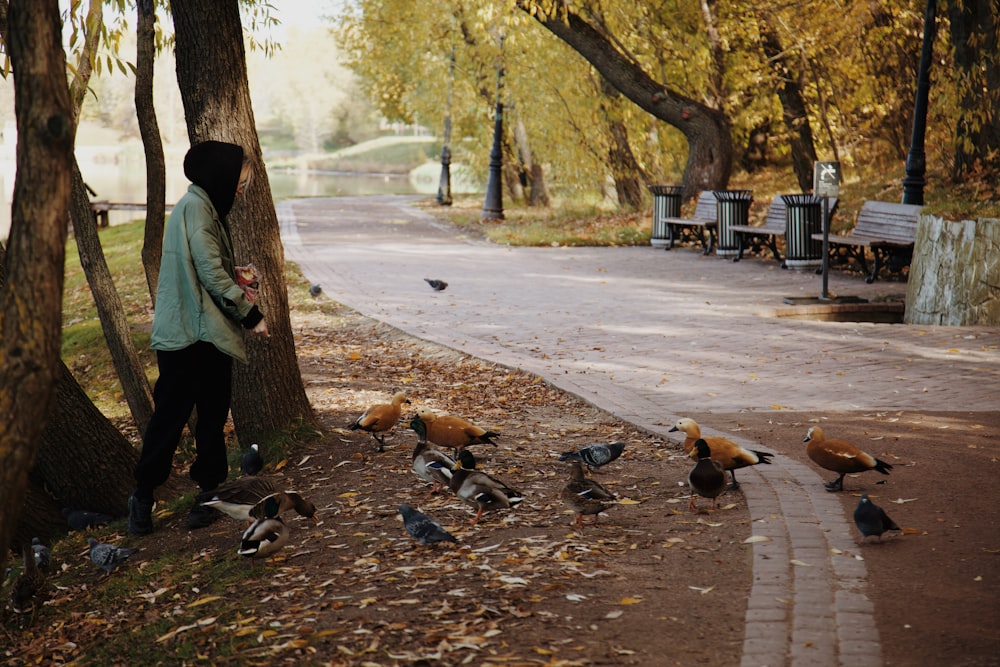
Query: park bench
x: 887, y: 229
x: 757, y: 237
x: 693, y: 229
x: 101, y: 209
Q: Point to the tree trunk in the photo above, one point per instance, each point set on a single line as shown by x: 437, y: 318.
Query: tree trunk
x: 31, y: 297
x: 793, y: 106
x: 110, y: 310
x: 707, y: 130
x: 626, y: 171
x: 268, y: 394
x: 538, y: 194
x: 149, y: 129
x: 974, y: 34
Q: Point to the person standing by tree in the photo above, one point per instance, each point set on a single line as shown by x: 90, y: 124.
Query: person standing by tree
x: 197, y: 331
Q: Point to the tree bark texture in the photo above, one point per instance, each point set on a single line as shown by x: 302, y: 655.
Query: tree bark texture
x: 710, y: 144
x: 31, y: 298
x: 149, y: 130
x: 268, y: 394
x: 110, y: 311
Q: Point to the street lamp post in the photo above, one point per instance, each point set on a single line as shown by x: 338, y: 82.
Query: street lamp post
x: 493, y: 205
x: 916, y: 161
x: 444, y: 185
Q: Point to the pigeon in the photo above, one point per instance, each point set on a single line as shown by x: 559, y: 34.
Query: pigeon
x: 251, y: 463
x: 840, y: 456
x: 595, y: 455
x: 81, y: 520
x: 315, y: 291
x: 422, y: 528
x: 707, y: 478
x: 41, y: 553
x: 872, y: 519
x: 436, y: 285
x: 28, y: 584
x: 107, y: 556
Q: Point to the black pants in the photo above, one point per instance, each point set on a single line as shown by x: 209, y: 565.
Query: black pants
x: 197, y: 376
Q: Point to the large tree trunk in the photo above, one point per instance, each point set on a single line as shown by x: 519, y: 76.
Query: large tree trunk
x: 149, y: 129
x: 538, y: 194
x: 626, y: 171
x: 31, y: 298
x: 710, y: 143
x: 211, y: 71
x: 974, y: 34
x: 110, y: 310
x: 793, y: 105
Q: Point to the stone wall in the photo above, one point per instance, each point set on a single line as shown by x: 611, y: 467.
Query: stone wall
x: 955, y: 274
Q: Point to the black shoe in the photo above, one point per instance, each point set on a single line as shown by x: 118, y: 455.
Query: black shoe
x: 201, y: 516
x: 140, y: 516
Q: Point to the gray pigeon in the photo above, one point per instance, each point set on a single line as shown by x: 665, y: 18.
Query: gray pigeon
x: 872, y: 519
x: 436, y: 285
x: 315, y: 291
x: 423, y: 528
x: 108, y: 556
x: 595, y: 455
x: 41, y: 553
x: 252, y: 463
x: 81, y: 520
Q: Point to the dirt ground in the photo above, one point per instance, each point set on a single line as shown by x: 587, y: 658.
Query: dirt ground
x: 652, y: 584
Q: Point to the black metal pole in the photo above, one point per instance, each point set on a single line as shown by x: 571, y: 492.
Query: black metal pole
x: 916, y: 161
x: 825, y: 294
x: 444, y: 185
x: 493, y: 205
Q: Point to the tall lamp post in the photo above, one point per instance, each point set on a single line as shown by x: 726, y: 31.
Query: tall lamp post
x: 444, y: 185
x: 916, y: 161
x: 493, y: 205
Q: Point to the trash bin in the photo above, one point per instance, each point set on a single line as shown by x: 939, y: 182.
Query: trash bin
x: 666, y: 204
x: 733, y: 209
x: 803, y: 218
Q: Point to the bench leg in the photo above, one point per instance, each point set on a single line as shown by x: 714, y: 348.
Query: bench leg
x: 711, y: 241
x: 876, y: 265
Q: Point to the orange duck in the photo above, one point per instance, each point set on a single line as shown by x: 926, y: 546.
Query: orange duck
x: 379, y: 419
x: 840, y: 456
x: 725, y: 451
x: 449, y: 431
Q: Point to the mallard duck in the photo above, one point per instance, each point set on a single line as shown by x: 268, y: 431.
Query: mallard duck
x: 840, y: 456
x: 595, y: 455
x: 251, y: 462
x: 432, y: 465
x: 480, y: 490
x: 265, y: 537
x: 449, y: 431
x: 725, y: 451
x: 108, y: 556
x: 872, y: 519
x: 242, y: 499
x: 707, y: 478
x: 379, y: 419
x: 422, y: 528
x: 28, y: 584
x: 585, y: 496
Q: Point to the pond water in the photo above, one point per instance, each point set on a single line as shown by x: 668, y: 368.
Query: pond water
x: 127, y: 183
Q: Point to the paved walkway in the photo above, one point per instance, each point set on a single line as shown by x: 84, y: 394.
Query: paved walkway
x: 649, y: 337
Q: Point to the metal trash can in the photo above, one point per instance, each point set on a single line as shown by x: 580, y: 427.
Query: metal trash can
x: 666, y: 204
x: 733, y: 209
x: 803, y: 218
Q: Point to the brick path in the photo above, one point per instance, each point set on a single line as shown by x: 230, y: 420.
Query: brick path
x: 650, y: 336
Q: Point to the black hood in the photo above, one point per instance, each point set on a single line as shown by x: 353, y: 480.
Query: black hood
x: 215, y: 167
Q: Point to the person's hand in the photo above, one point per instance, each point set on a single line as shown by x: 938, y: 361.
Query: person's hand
x: 261, y: 329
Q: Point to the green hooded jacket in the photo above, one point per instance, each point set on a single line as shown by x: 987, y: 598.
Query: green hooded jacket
x: 197, y: 298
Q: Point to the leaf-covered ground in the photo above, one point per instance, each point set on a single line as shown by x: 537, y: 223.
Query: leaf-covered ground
x: 652, y: 583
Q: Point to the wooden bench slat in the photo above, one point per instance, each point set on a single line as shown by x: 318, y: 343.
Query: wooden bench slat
x: 888, y: 229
